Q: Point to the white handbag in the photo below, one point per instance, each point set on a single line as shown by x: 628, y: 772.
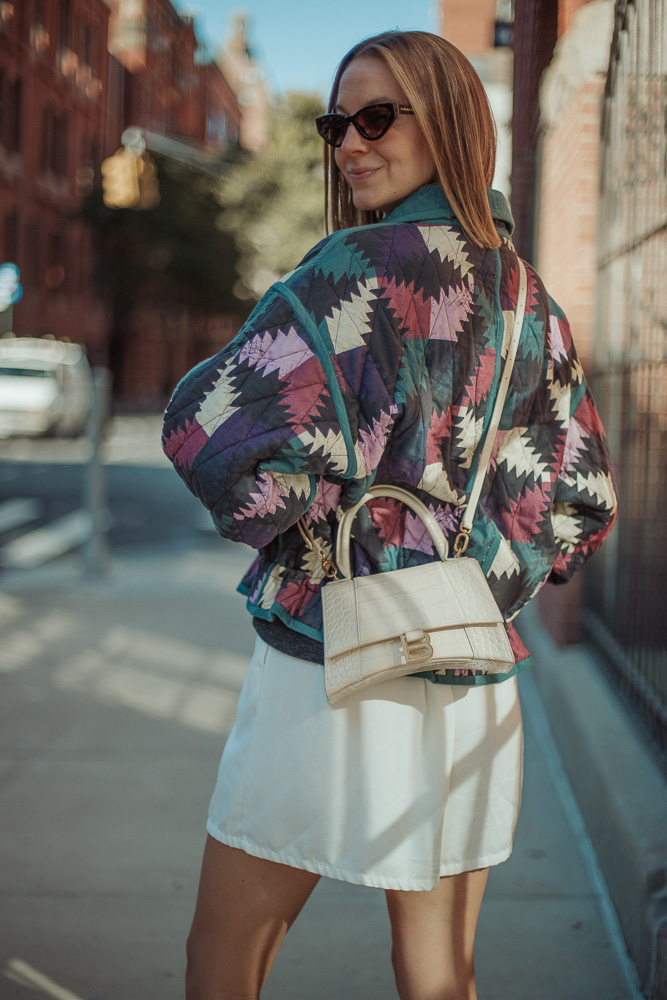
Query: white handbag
x: 439, y: 616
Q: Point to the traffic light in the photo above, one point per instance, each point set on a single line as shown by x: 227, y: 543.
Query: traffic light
x: 130, y: 181
x: 120, y: 180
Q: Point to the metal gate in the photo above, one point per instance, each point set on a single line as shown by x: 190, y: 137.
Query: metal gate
x: 627, y: 587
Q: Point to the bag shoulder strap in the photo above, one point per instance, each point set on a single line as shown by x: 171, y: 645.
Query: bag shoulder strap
x: 461, y: 541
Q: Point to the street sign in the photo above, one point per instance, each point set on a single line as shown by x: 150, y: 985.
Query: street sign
x: 11, y: 289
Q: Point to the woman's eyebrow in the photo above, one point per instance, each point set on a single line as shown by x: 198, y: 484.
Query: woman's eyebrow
x: 340, y: 109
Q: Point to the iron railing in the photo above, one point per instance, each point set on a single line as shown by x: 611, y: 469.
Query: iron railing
x: 627, y: 588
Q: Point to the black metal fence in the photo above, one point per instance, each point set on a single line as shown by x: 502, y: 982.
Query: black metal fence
x: 627, y: 588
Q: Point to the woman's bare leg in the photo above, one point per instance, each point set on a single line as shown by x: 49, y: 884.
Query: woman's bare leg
x: 433, y: 935
x: 245, y: 907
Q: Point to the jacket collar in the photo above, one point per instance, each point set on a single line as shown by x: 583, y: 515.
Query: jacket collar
x: 430, y: 204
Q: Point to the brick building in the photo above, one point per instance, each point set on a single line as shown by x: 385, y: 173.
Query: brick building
x: 188, y: 111
x: 482, y: 30
x: 54, y: 74
x: 589, y: 191
x: 73, y: 75
x: 168, y: 89
x: 248, y: 81
x: 562, y: 54
x: 539, y: 25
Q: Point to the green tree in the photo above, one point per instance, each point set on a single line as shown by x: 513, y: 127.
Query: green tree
x: 274, y: 202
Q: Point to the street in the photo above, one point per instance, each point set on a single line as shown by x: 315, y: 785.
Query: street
x: 148, y: 504
x: 117, y: 695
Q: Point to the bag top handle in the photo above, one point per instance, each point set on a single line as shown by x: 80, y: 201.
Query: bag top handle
x: 398, y: 493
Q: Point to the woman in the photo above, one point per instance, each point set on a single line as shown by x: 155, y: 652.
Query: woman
x: 413, y: 785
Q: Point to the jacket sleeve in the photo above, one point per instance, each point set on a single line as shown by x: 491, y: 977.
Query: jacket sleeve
x: 584, y: 505
x: 252, y: 429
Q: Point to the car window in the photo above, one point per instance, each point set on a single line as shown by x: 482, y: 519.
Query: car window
x: 29, y: 372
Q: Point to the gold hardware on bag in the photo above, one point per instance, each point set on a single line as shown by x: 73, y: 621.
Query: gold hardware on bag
x: 328, y: 566
x: 417, y: 646
x: 461, y: 541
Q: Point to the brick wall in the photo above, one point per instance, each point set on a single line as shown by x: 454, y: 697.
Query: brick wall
x: 566, y: 260
x: 468, y: 24
x: 566, y: 245
x: 53, y: 74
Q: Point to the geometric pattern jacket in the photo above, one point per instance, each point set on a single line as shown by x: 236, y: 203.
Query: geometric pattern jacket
x: 378, y: 360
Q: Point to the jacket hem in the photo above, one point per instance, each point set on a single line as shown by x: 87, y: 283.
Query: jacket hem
x: 476, y: 680
x: 277, y: 611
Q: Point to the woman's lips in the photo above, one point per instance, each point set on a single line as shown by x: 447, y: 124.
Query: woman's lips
x: 362, y: 175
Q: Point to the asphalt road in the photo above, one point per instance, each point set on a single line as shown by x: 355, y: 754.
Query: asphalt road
x: 147, y: 502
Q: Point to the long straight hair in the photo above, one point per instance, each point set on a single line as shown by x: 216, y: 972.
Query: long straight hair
x: 451, y: 109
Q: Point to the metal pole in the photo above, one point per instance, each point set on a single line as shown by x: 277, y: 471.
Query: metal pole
x: 98, y: 554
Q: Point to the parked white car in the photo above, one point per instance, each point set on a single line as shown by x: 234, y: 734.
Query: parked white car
x: 46, y: 387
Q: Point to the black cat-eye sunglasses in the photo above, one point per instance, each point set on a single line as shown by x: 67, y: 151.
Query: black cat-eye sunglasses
x: 371, y: 122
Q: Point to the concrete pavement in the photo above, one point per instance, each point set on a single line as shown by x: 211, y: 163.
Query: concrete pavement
x: 116, y: 699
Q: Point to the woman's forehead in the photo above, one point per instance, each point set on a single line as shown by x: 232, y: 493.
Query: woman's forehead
x: 367, y: 80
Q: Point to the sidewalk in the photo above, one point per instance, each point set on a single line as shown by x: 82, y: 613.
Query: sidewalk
x: 116, y: 698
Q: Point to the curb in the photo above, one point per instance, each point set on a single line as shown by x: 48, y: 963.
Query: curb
x: 619, y: 788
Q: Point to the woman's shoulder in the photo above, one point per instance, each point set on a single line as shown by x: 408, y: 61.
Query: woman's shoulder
x: 343, y: 242
x: 385, y: 245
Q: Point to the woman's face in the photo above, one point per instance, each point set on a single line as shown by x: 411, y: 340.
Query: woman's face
x: 384, y: 172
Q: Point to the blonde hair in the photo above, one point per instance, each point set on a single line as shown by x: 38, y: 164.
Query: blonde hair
x: 453, y: 113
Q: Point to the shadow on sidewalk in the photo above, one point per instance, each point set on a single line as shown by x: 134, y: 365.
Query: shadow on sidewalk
x: 116, y: 699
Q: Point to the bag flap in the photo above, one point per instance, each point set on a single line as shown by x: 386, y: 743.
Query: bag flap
x: 439, y: 595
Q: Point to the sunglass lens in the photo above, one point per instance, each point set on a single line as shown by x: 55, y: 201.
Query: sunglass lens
x: 374, y: 121
x: 332, y: 128
x: 371, y: 122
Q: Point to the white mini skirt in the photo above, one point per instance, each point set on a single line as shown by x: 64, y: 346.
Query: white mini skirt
x: 395, y: 787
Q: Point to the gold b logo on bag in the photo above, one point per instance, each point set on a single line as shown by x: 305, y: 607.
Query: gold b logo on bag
x: 417, y: 646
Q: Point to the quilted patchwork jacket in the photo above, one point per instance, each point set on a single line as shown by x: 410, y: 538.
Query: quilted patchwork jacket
x: 377, y: 361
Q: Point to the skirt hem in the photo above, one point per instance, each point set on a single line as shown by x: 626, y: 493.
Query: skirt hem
x: 356, y: 878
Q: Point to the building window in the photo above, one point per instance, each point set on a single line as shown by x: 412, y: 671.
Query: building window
x: 10, y: 113
x: 64, y: 24
x: 53, y: 151
x: 45, y: 139
x: 56, y: 270
x: 60, y: 145
x: 89, y: 47
x: 32, y: 259
x: 19, y: 16
x: 15, y: 91
x: 216, y: 130
x: 11, y: 241
x: 38, y: 12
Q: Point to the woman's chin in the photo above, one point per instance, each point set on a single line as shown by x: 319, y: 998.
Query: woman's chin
x: 364, y: 203
x: 373, y: 205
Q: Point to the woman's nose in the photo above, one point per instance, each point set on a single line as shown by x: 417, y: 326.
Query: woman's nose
x: 353, y: 141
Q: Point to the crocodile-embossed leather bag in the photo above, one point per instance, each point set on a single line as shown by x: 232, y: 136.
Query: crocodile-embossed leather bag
x: 439, y: 616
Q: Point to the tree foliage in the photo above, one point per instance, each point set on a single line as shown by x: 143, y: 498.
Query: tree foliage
x: 273, y: 203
